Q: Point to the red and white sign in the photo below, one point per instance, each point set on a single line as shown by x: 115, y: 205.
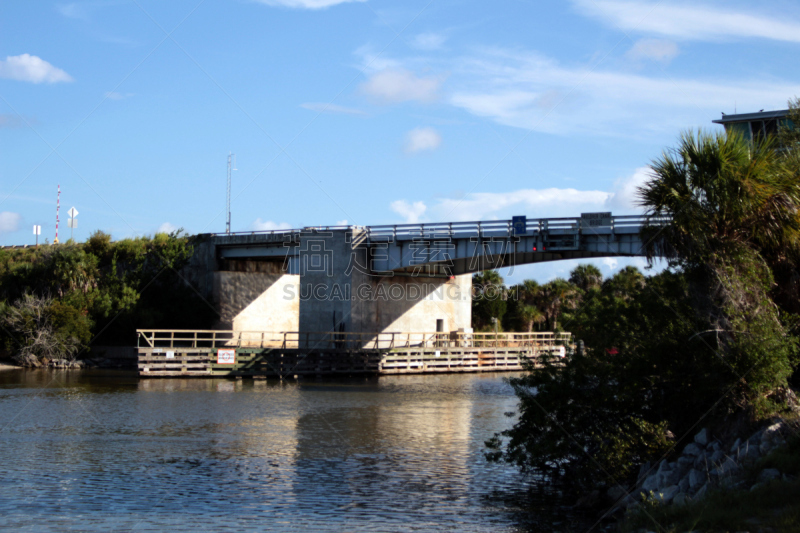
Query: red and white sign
x: 226, y: 357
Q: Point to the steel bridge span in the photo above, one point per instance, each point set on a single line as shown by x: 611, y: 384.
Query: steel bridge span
x: 448, y: 248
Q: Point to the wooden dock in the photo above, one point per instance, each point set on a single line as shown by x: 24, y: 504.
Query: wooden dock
x: 214, y: 353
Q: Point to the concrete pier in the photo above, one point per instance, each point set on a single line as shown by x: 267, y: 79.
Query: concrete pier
x: 327, y: 286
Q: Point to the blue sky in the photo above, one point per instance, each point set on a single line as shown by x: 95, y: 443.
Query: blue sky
x: 363, y: 112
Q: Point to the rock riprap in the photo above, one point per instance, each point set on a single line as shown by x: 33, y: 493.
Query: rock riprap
x: 704, y: 465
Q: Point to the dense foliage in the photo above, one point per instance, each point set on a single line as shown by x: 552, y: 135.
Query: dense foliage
x: 99, y: 291
x: 711, y: 337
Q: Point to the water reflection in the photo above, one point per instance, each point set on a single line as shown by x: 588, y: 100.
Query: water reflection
x: 103, y: 450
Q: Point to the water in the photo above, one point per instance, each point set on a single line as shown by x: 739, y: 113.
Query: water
x: 99, y: 451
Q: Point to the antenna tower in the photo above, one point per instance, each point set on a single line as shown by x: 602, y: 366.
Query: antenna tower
x: 58, y: 207
x: 231, y: 168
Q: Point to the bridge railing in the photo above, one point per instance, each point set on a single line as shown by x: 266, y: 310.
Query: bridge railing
x: 496, y: 227
x: 214, y: 339
x: 293, y: 231
x: 477, y: 227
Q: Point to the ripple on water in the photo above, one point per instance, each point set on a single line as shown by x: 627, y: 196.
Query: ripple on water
x: 391, y: 454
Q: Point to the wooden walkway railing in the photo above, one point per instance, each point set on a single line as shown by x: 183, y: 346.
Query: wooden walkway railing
x: 211, y: 339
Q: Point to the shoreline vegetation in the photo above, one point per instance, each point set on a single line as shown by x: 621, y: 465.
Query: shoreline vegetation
x: 711, y: 342
x: 57, y: 301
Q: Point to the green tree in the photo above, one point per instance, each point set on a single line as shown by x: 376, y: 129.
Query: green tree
x: 38, y: 329
x: 592, y: 418
x: 488, y: 300
x: 719, y: 191
x: 703, y: 337
x: 521, y: 311
x: 626, y: 282
x: 734, y: 210
x: 553, y: 297
x: 586, y: 277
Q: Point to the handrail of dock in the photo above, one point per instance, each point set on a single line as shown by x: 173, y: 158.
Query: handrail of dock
x: 310, y: 340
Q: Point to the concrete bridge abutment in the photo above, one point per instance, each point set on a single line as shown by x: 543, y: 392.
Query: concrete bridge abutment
x: 327, y: 286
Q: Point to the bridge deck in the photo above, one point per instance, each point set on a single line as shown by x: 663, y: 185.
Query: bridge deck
x: 460, y: 247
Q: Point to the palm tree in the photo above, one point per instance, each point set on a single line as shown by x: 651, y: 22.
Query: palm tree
x: 626, y: 282
x: 586, y: 277
x: 555, y: 295
x: 735, y: 228
x: 489, y: 298
x: 721, y: 190
x: 527, y: 313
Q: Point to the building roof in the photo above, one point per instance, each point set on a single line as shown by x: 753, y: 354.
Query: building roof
x: 746, y: 117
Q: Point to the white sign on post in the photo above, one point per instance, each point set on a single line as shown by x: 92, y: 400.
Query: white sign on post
x: 226, y: 357
x: 72, y: 223
x: 37, y: 230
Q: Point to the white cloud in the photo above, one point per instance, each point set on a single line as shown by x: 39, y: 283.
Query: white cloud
x: 26, y: 67
x: 306, y: 4
x: 9, y: 222
x: 112, y: 95
x: 166, y: 227
x: 689, y: 21
x: 528, y: 90
x: 268, y: 225
x: 73, y: 11
x: 373, y: 61
x: 321, y: 107
x: 625, y: 198
x: 12, y: 121
x: 536, y: 203
x: 610, y: 263
x: 341, y: 222
x: 399, y: 85
x: 660, y: 50
x: 410, y: 212
x: 502, y: 105
x: 428, y: 41
x: 420, y: 139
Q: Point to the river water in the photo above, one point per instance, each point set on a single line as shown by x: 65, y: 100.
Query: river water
x: 103, y: 450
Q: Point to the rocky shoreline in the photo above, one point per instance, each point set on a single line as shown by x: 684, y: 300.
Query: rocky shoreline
x: 708, y: 464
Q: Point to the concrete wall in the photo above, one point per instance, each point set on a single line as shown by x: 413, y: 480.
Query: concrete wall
x: 336, y: 289
x: 332, y: 289
x: 325, y: 280
x: 406, y: 304
x: 202, y: 267
x: 257, y: 296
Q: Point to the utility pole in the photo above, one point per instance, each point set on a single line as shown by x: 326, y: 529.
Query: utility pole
x: 231, y: 168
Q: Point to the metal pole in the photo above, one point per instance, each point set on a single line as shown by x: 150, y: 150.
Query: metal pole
x: 228, y: 201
